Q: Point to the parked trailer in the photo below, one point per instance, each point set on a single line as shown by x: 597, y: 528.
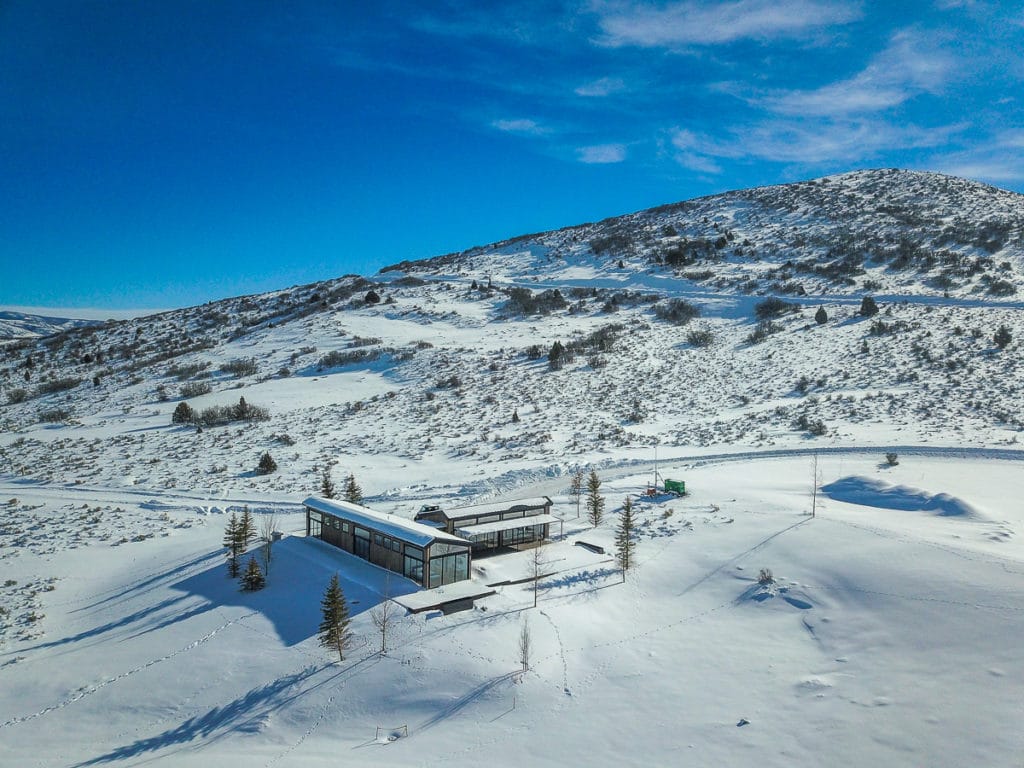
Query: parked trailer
x: 677, y: 487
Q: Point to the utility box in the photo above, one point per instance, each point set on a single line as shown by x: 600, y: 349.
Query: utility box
x: 677, y: 487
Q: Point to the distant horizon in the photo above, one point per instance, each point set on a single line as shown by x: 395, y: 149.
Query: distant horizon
x: 166, y: 158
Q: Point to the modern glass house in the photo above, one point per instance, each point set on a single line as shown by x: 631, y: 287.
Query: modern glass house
x: 506, y: 524
x: 426, y: 555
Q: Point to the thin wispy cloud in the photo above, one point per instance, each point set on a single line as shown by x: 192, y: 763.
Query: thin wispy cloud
x: 602, y: 153
x: 911, y: 64
x: 998, y: 160
x: 603, y: 87
x: 692, y: 23
x: 808, y: 142
x: 520, y: 125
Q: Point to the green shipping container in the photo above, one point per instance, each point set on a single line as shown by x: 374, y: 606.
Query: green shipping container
x: 675, y: 486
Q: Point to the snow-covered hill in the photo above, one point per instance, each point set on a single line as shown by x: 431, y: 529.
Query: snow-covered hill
x: 690, y: 334
x: 455, y: 347
x: 20, y: 325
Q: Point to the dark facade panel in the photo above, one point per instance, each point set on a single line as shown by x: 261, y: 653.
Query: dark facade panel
x: 432, y: 566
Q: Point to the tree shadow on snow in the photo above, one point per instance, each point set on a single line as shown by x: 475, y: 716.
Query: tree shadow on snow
x: 245, y: 714
x: 588, y: 577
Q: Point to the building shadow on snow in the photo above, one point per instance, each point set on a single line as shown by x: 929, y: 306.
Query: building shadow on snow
x: 300, y: 571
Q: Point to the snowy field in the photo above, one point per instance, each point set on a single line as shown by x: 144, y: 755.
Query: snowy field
x: 890, y: 636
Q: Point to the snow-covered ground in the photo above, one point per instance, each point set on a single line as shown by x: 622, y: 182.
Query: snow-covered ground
x: 889, y: 637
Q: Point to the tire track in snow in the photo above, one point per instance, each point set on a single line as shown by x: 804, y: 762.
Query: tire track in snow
x: 88, y: 691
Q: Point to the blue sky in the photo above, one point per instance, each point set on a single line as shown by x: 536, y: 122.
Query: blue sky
x: 161, y: 154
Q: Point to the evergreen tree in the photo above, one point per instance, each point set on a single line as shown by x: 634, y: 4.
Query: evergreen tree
x: 334, y: 631
x: 624, y: 544
x: 515, y: 415
x: 353, y: 493
x: 246, y: 529
x: 231, y: 544
x: 183, y: 414
x: 266, y: 465
x: 868, y: 307
x: 252, y: 579
x: 555, y: 356
x: 576, y: 487
x: 821, y: 316
x: 1002, y: 337
x: 326, y: 484
x: 595, y: 501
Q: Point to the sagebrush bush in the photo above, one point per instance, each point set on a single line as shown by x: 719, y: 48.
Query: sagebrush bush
x: 774, y: 307
x: 196, y: 388
x: 677, y: 311
x: 243, y: 366
x: 340, y: 357
x: 57, y: 385
x: 700, y: 337
x: 763, y: 330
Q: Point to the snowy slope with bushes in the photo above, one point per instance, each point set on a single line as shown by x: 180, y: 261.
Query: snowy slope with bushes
x: 692, y: 333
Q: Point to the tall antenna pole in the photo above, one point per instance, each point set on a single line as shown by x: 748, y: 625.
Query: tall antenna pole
x: 814, y: 490
x: 655, y: 468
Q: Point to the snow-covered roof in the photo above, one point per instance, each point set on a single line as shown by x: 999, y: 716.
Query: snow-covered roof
x: 382, y: 522
x: 497, y: 506
x: 505, y: 525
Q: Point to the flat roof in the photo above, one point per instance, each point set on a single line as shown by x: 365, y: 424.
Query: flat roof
x: 497, y: 506
x: 382, y: 522
x: 505, y: 525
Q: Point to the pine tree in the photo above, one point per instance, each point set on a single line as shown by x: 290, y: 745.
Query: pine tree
x: 183, y: 414
x: 353, y: 493
x: 334, y: 631
x: 231, y: 544
x: 327, y: 485
x: 246, y: 529
x: 576, y: 487
x: 624, y: 544
x: 868, y: 307
x: 595, y: 501
x: 555, y: 356
x: 252, y: 579
x: 821, y: 316
x: 266, y: 465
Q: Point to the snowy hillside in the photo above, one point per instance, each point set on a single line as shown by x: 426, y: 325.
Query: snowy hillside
x: 20, y: 325
x: 692, y: 334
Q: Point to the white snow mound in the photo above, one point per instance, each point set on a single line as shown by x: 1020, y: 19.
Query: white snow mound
x: 870, y: 492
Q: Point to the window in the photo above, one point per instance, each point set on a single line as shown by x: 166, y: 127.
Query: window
x: 414, y: 569
x: 313, y: 515
x: 345, y: 527
x: 396, y: 546
x: 378, y: 539
x: 413, y: 552
x: 461, y: 567
x: 361, y: 533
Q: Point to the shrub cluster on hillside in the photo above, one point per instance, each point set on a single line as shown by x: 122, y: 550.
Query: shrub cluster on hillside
x: 522, y: 301
x: 218, y: 415
x: 677, y: 311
